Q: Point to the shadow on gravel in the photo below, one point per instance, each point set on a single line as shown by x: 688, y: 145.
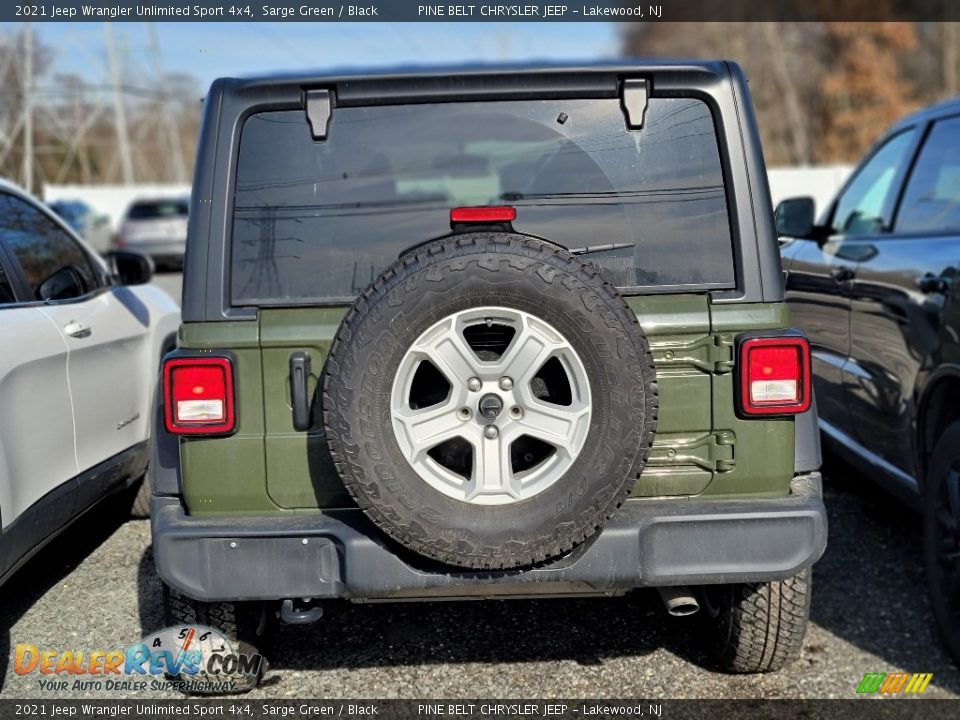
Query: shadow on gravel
x: 397, y: 634
x: 585, y: 631
x: 52, y: 565
x: 149, y: 598
x: 869, y: 589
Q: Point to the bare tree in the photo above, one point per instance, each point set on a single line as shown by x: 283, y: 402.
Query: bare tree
x: 863, y: 91
x: 823, y: 91
x: 75, y: 121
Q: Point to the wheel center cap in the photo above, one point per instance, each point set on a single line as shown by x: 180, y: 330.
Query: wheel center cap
x: 490, y: 406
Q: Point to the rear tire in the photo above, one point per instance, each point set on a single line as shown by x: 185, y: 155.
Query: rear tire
x: 941, y: 536
x: 245, y: 624
x: 140, y: 507
x: 468, y: 500
x: 759, y: 627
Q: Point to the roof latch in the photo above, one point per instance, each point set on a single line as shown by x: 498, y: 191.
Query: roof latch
x: 633, y: 98
x: 319, y: 108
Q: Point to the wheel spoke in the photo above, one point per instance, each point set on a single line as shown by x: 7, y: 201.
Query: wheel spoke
x: 490, y: 404
x: 558, y: 425
x: 492, y: 472
x: 422, y: 430
x: 447, y: 349
x: 530, y: 349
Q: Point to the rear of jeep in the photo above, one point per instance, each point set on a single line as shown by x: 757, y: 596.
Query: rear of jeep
x: 482, y: 334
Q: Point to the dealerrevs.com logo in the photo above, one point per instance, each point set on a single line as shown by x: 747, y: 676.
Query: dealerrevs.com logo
x: 187, y: 657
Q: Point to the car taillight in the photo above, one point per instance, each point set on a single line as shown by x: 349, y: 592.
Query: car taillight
x: 774, y: 376
x: 485, y: 214
x: 198, y: 395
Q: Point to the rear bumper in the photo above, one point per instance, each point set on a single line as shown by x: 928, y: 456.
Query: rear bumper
x: 340, y: 554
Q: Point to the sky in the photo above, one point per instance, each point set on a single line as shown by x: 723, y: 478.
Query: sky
x: 211, y: 50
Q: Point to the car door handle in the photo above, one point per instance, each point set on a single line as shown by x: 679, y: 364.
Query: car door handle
x: 930, y: 283
x: 842, y: 273
x: 77, y: 330
x: 299, y: 372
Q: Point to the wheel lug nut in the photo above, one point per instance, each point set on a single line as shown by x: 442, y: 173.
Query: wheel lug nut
x: 474, y: 384
x: 490, y: 432
x: 464, y: 413
x: 506, y: 383
x: 516, y: 413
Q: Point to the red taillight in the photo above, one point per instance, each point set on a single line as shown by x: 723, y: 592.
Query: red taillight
x: 496, y: 214
x: 774, y: 376
x: 198, y: 395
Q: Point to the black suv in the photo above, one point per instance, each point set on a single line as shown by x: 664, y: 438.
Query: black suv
x: 873, y: 284
x: 487, y: 333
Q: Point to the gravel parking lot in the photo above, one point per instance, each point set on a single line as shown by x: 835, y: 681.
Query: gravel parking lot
x: 95, y: 588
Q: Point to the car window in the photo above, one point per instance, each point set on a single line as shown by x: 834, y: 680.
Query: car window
x: 931, y: 202
x: 72, y: 212
x: 157, y: 209
x: 45, y: 252
x: 6, y: 287
x: 863, y: 206
x: 317, y: 221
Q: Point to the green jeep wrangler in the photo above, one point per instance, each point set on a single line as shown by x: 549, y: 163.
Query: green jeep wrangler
x: 487, y: 333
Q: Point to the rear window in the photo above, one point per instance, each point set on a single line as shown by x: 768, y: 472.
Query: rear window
x: 318, y: 220
x: 155, y: 209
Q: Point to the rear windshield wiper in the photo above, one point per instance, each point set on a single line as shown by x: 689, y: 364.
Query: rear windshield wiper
x: 599, y: 248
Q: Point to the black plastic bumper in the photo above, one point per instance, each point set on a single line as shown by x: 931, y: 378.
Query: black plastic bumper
x: 340, y: 554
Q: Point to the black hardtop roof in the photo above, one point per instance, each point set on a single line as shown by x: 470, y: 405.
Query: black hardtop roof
x: 530, y: 72
x: 720, y: 84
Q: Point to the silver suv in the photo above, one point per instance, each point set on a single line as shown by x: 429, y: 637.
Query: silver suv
x: 156, y: 227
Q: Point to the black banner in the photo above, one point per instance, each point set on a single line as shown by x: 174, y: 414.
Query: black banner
x: 240, y: 707
x: 523, y: 11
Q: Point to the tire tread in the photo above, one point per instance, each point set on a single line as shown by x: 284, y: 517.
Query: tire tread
x: 235, y: 621
x: 526, y: 253
x: 763, y: 627
x: 140, y: 507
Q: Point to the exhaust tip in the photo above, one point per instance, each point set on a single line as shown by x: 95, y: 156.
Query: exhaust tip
x: 681, y: 607
x: 679, y: 601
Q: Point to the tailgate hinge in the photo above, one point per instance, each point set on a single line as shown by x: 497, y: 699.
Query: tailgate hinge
x: 319, y: 104
x: 711, y: 451
x: 710, y: 353
x: 633, y: 99
x: 721, y: 353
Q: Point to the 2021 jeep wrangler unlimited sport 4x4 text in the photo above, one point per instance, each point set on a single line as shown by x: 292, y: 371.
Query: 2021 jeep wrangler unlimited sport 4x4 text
x: 485, y: 333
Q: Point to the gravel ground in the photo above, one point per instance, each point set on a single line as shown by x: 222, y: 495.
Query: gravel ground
x: 95, y: 588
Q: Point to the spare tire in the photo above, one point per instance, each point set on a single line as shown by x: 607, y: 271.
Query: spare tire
x: 489, y: 400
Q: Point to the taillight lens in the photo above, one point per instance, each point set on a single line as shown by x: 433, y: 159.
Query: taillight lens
x: 485, y: 214
x: 198, y: 396
x: 774, y: 376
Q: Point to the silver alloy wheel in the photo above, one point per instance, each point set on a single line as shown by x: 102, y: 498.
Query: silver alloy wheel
x: 502, y: 410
